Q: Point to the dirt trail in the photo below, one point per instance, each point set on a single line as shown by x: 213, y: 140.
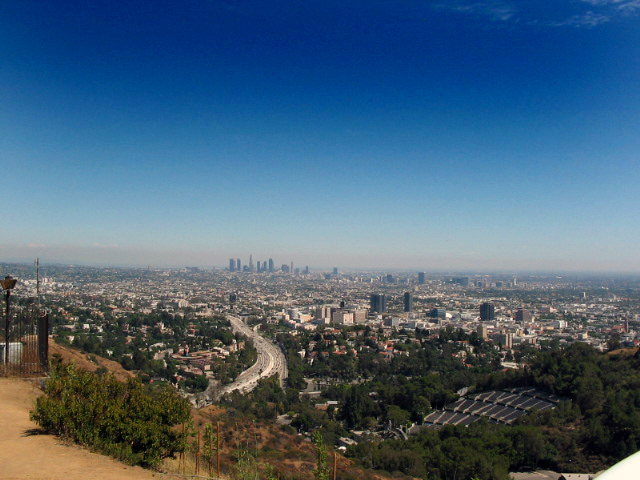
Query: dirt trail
x: 44, y: 457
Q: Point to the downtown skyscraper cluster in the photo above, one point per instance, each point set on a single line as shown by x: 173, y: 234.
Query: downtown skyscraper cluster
x: 267, y: 266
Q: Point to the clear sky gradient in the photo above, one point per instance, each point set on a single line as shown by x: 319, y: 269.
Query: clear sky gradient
x: 406, y: 134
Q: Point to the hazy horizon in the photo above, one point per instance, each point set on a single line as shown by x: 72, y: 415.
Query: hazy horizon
x: 316, y: 268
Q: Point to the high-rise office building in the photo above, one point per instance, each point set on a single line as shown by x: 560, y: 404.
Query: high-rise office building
x: 483, y: 332
x: 271, y: 266
x: 335, y: 270
x: 408, y: 302
x: 438, y: 313
x: 232, y: 265
x: 504, y: 339
x: 238, y: 265
x: 251, y: 266
x: 258, y: 266
x: 523, y: 315
x: 322, y: 313
x: 291, y: 270
x: 378, y: 303
x: 343, y: 317
x: 420, y: 278
x: 487, y: 312
x: 306, y: 270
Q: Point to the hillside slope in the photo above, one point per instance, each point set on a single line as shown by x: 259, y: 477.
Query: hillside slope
x: 87, y: 361
x: 27, y: 454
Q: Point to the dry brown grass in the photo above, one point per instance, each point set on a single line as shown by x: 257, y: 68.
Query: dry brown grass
x: 292, y: 456
x: 89, y: 362
x: 624, y: 352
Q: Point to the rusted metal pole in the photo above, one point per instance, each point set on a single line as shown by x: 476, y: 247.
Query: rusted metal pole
x: 335, y: 464
x: 198, y: 455
x: 218, y: 451
x: 182, y: 456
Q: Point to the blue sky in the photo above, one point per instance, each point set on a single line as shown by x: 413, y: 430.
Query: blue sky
x: 412, y: 134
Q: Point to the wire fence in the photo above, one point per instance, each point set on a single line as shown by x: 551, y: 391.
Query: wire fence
x: 203, y: 455
x: 203, y: 459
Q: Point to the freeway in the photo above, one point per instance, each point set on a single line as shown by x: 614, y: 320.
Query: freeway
x: 270, y: 361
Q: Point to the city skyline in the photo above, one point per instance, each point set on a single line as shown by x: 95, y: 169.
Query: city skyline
x: 449, y: 136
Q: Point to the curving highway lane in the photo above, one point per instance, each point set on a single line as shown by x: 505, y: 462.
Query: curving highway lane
x: 270, y: 361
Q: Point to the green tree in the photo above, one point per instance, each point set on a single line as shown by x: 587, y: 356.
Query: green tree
x: 397, y: 416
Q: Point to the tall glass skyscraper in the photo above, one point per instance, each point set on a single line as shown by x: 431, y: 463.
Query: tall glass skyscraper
x: 378, y: 303
x: 408, y: 302
x: 487, y: 312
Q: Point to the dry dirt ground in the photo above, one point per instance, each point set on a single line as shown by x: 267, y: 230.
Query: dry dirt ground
x: 24, y: 455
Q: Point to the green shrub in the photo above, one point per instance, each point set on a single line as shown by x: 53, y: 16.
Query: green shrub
x: 118, y: 419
